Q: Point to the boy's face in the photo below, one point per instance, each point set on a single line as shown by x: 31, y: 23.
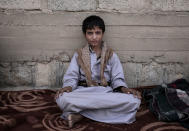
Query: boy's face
x: 94, y: 36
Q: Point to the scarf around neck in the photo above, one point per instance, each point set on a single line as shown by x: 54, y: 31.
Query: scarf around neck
x: 84, y: 61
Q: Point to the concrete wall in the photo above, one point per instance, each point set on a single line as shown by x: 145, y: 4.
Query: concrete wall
x: 38, y: 38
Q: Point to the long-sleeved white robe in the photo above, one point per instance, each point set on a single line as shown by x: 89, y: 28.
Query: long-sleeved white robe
x: 98, y: 103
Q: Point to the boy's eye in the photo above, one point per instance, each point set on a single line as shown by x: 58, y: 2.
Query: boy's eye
x: 89, y: 33
x: 98, y: 32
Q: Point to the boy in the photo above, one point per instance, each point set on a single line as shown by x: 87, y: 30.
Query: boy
x: 93, y: 76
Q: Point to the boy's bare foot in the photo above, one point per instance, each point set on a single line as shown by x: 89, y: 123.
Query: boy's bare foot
x: 73, y: 118
x: 65, y: 122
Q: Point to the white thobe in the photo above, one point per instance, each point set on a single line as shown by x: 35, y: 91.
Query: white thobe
x: 98, y: 103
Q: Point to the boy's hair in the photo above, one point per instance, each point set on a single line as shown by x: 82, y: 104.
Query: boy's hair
x: 91, y: 22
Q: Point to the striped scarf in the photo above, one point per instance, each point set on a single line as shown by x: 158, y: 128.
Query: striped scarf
x: 84, y: 61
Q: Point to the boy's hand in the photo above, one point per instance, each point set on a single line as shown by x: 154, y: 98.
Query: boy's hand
x: 131, y: 91
x: 62, y: 90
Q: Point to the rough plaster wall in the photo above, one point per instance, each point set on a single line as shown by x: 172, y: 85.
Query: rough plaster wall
x: 38, y: 38
x: 138, y: 6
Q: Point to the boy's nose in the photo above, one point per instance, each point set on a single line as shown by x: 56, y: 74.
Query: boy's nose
x: 94, y: 36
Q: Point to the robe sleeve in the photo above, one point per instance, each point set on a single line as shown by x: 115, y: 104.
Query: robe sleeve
x: 72, y: 74
x: 117, y: 75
